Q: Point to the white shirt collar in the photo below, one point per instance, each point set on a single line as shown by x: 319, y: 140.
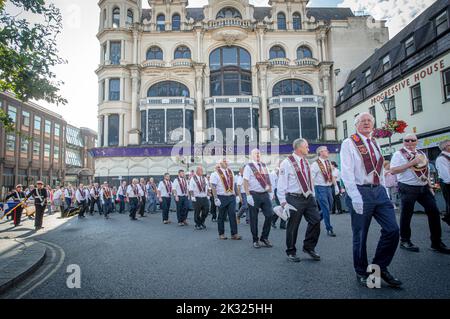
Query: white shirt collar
x: 446, y: 153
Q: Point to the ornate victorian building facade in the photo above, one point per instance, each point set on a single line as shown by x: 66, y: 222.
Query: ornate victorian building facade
x: 212, y: 71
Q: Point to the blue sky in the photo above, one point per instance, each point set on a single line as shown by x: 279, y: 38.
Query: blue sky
x: 79, y: 45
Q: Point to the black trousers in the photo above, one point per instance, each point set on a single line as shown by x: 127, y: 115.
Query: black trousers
x: 142, y: 206
x: 165, y: 206
x: 213, y: 208
x: 99, y: 205
x: 82, y: 206
x: 39, y: 216
x: 18, y: 215
x: 337, y: 204
x: 134, y: 203
x: 201, y: 207
x: 263, y: 202
x: 305, y: 207
x: 446, y: 192
x: 409, y: 195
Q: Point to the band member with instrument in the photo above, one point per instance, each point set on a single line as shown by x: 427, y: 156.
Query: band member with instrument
x: 222, y: 185
x: 40, y: 201
x: 363, y: 177
x: 180, y: 192
x: 95, y: 199
x: 134, y: 194
x: 198, y: 189
x: 324, y: 186
x: 295, y: 187
x: 164, y: 196
x: 106, y: 198
x: 443, y: 168
x: 257, y: 186
x: 413, y: 175
x: 18, y: 196
x: 80, y: 196
x: 122, y: 194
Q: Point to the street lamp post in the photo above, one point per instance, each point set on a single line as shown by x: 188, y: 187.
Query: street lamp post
x: 386, y: 105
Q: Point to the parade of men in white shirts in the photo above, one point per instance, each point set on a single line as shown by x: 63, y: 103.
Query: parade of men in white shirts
x: 134, y: 195
x: 165, y: 196
x: 295, y: 187
x: 443, y: 168
x: 198, y: 189
x: 222, y: 185
x: 180, y: 192
x: 413, y: 175
x: 324, y: 186
x: 258, y: 187
x: 81, y: 196
x: 363, y: 176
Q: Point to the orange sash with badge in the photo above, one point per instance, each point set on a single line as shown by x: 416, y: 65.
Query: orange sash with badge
x: 228, y: 182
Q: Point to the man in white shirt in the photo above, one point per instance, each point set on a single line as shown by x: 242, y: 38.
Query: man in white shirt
x: 257, y: 186
x: 80, y: 196
x: 69, y: 195
x: 242, y: 196
x: 443, y: 168
x: 134, y: 195
x: 180, y: 192
x: 122, y: 195
x: 363, y: 176
x: 106, y: 198
x: 164, y: 196
x: 95, y: 199
x: 295, y: 187
x: 198, y: 189
x: 322, y: 174
x: 57, y: 199
x: 222, y: 185
x: 413, y: 176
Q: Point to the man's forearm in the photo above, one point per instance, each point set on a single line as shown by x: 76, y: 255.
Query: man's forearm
x: 214, y: 191
x: 400, y: 169
x: 246, y: 189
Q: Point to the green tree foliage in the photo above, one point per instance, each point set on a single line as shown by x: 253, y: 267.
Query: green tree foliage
x: 28, y: 51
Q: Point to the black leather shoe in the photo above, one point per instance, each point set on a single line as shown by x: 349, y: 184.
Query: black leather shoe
x: 293, y: 258
x: 256, y: 245
x: 282, y: 227
x: 362, y: 280
x: 266, y: 243
x: 441, y: 249
x: 312, y: 253
x: 408, y: 245
x: 390, y: 280
x: 331, y: 233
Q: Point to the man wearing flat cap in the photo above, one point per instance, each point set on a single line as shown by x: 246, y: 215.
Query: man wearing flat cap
x: 40, y: 201
x: 18, y: 196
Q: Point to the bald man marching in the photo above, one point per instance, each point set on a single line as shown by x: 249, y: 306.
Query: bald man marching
x: 257, y: 187
x: 413, y: 174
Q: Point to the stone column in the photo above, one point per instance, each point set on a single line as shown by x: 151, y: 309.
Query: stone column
x: 108, y: 52
x: 121, y: 131
x: 99, y: 133
x: 198, y: 126
x: 122, y: 51
x: 106, y: 90
x: 264, y: 129
x: 105, y: 131
x: 329, y: 128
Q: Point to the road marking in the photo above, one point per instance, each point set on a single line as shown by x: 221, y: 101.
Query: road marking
x: 52, y: 247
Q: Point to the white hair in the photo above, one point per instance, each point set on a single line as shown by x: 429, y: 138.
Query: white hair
x: 299, y: 142
x: 410, y: 135
x: 443, y: 144
x: 321, y: 148
x: 360, y: 115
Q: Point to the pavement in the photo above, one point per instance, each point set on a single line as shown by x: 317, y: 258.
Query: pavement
x: 120, y: 258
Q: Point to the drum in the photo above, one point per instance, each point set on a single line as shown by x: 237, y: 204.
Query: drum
x: 30, y: 210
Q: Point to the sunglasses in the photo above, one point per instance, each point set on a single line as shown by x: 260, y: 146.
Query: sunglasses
x: 410, y: 141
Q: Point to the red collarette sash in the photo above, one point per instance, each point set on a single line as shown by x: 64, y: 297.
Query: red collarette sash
x: 182, y: 183
x: 135, y: 190
x: 153, y: 185
x: 201, y: 186
x: 421, y: 174
x: 168, y: 187
x: 368, y: 164
x: 228, y: 183
x: 326, y: 171
x: 106, y: 193
x: 82, y: 194
x: 306, y: 187
x: 262, y: 178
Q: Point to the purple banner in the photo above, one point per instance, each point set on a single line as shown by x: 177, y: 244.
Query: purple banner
x: 198, y: 150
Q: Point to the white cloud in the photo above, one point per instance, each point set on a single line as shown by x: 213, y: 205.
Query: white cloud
x: 398, y: 13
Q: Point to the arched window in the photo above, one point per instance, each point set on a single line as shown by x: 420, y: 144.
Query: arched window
x: 281, y: 18
x: 130, y: 17
x: 182, y: 52
x: 303, y: 52
x: 297, y: 21
x: 161, y: 22
x: 116, y: 17
x: 230, y: 71
x: 227, y: 13
x: 176, y: 22
x: 277, y: 52
x: 168, y: 88
x: 155, y: 53
x: 292, y: 87
x: 113, y: 130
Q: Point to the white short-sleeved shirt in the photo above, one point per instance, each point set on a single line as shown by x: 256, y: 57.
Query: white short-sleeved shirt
x: 443, y: 168
x: 162, y: 189
x: 319, y: 179
x: 253, y: 183
x: 176, y: 186
x: 215, y: 180
x: 131, y: 191
x: 80, y: 195
x: 193, y: 187
x: 407, y: 177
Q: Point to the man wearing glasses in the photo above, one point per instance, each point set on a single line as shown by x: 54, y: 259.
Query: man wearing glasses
x: 413, y: 175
